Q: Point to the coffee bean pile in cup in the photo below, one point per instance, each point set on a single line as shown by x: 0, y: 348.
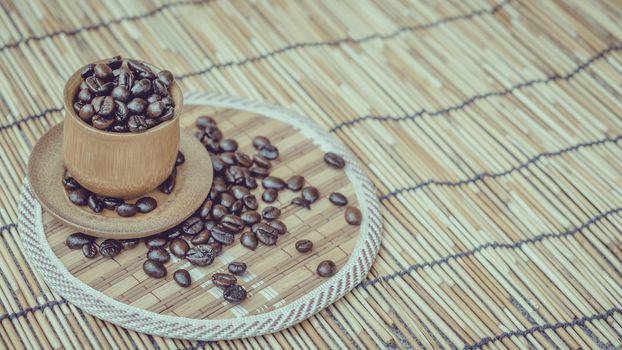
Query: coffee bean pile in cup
x: 229, y: 211
x: 80, y: 196
x: 124, y: 96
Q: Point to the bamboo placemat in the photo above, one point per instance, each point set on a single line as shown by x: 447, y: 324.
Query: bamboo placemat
x: 491, y: 129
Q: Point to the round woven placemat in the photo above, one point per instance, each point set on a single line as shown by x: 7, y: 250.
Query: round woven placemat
x: 154, y: 307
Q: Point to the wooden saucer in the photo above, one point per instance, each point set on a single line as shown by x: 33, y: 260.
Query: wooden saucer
x: 194, y: 179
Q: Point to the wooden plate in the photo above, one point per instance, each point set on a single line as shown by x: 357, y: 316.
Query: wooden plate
x: 194, y: 179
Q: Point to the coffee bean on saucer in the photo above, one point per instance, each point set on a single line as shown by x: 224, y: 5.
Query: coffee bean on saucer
x: 169, y: 184
x: 248, y: 240
x: 237, y: 268
x: 126, y: 210
x: 270, y: 195
x: 182, y: 277
x: 201, y: 255
x: 95, y: 203
x: 79, y: 196
x: 278, y: 226
x: 326, y: 268
x: 273, y: 182
x: 334, y: 160
x: 234, y: 294
x: 112, y: 202
x: 301, y: 202
x: 304, y: 245
x: 89, y: 250
x: 129, y: 243
x: 192, y: 225
x: 260, y: 141
x: 154, y: 269
x: 180, y: 158
x: 353, y: 216
x: 338, y: 199
x: 78, y: 239
x: 262, y: 161
x: 202, y: 237
x: 223, y: 279
x: 70, y: 183
x: 155, y: 241
x: 146, y: 204
x: 110, y: 248
x: 310, y: 193
x: 270, y: 212
x: 295, y: 182
x: 158, y: 254
x: 269, y: 151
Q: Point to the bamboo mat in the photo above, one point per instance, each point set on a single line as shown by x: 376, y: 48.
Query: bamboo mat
x: 491, y: 128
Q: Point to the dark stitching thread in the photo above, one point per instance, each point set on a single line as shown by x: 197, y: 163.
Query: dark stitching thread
x: 99, y: 25
x: 473, y: 99
x: 21, y: 313
x: 7, y: 227
x: 32, y: 117
x: 493, y: 245
x: 486, y: 174
x: 543, y: 327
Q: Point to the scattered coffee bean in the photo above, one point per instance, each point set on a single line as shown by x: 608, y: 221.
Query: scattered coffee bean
x: 250, y: 202
x: 228, y: 145
x: 248, y: 240
x: 301, y: 202
x: 206, y: 209
x: 110, y: 248
x: 243, y: 159
x: 126, y: 210
x: 129, y: 243
x: 232, y: 222
x: 204, y: 122
x: 260, y: 141
x: 338, y: 199
x: 239, y: 192
x: 304, y: 245
x: 201, y: 255
x: 353, y: 216
x: 266, y: 235
x: 155, y: 241
x: 226, y: 200
x: 112, y: 203
x: 158, y: 254
x: 202, y: 237
x: 78, y: 239
x: 228, y: 158
x: 295, y: 182
x: 79, y: 196
x: 218, y: 211
x: 154, y: 269
x: 278, y: 226
x: 270, y: 195
x: 222, y: 235
x: 259, y: 172
x: 182, y: 277
x: 326, y: 268
x: 192, y: 226
x: 269, y: 151
x: 262, y: 162
x: 236, y: 207
x: 270, y: 212
x: 273, y: 182
x: 237, y: 268
x: 223, y: 279
x: 250, y: 217
x: 310, y: 193
x: 234, y: 294
x: 334, y: 160
x: 146, y: 204
x: 89, y: 250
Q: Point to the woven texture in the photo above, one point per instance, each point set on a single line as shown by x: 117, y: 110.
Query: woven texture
x: 491, y: 130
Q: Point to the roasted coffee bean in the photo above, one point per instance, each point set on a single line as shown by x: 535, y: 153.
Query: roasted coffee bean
x: 204, y: 122
x: 248, y: 240
x: 166, y: 77
x: 126, y: 210
x: 259, y: 172
x: 87, y: 70
x: 172, y: 233
x: 159, y: 88
x: 121, y: 114
x: 202, y: 237
x: 262, y: 161
x: 100, y: 122
x: 154, y: 269
x: 273, y: 182
x: 169, y: 184
x: 168, y: 101
x: 310, y: 193
x: 87, y: 112
x: 260, y: 141
x: 182, y: 277
x: 120, y: 93
x: 334, y: 160
x: 278, y: 226
x: 129, y: 243
x: 270, y: 212
x: 228, y: 145
x: 218, y: 165
x: 243, y: 159
x: 239, y: 192
x: 326, y: 268
x: 237, y: 268
x: 338, y: 199
x: 155, y: 241
x: 85, y: 95
x: 213, y: 133
x: 79, y: 196
x: 95, y: 203
x: 270, y: 195
x: 228, y: 157
x: 250, y: 217
x: 250, y: 202
x: 267, y: 237
x: 353, y: 216
x: 209, y: 225
x: 301, y: 202
x: 126, y: 78
x: 89, y: 250
x: 223, y: 279
x: 217, y: 247
x: 138, y: 66
x: 179, y: 247
x: 232, y: 222
x: 180, y: 159
x: 158, y: 254
x: 110, y: 248
x: 141, y: 88
x: 218, y: 211
x: 222, y: 235
x: 119, y: 128
x: 146, y: 204
x: 155, y: 98
x: 201, y: 255
x: 137, y: 105
x: 234, y: 294
x: 115, y: 62
x: 136, y: 123
x: 70, y: 183
x: 155, y: 109
x: 192, y: 226
x: 226, y: 199
x: 112, y: 202
x: 304, y: 245
x: 97, y: 103
x: 269, y: 151
x: 250, y: 182
x: 295, y: 182
x: 92, y: 84
x: 77, y: 240
x: 211, y: 146
x: 236, y: 207
x: 102, y: 71
x: 77, y: 106
x: 206, y: 209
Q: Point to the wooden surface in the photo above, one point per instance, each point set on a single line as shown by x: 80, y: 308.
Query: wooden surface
x: 491, y: 128
x: 276, y: 275
x: 46, y: 172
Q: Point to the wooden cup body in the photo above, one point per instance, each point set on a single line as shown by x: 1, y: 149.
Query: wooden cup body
x: 124, y: 165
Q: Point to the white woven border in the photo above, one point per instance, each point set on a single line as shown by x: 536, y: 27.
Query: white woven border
x: 99, y: 305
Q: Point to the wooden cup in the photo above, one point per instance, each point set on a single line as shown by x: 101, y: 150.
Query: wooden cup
x: 114, y: 164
